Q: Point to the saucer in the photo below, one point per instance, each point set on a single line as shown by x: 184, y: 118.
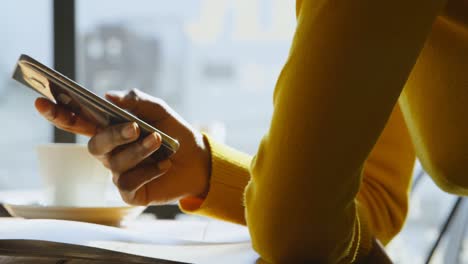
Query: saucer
x: 105, y: 215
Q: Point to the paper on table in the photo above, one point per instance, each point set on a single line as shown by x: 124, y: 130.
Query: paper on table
x: 189, y: 241
x: 150, y: 232
x: 73, y: 232
x: 208, y: 231
x: 234, y: 253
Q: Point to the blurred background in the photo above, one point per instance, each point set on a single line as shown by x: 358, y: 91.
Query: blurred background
x: 214, y: 61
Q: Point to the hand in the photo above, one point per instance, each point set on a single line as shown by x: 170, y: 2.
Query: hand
x: 140, y: 179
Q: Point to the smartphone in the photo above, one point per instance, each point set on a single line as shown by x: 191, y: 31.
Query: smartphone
x: 63, y: 91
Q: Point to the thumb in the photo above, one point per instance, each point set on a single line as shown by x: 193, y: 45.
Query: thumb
x: 128, y: 100
x: 115, y: 96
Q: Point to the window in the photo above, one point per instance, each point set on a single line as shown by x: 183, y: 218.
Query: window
x: 429, y: 210
x: 215, y: 62
x: 25, y: 27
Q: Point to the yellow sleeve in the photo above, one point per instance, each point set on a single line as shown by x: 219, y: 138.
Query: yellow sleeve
x: 383, y: 195
x: 347, y: 65
x: 435, y: 99
x: 382, y: 198
x: 229, y: 176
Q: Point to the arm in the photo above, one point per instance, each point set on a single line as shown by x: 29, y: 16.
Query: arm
x: 347, y: 66
x: 435, y: 100
x: 383, y: 196
x: 344, y: 50
x: 228, y: 177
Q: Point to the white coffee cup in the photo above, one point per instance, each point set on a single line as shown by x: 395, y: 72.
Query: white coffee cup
x: 71, y: 176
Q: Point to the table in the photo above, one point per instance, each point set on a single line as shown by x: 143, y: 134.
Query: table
x: 185, y: 241
x: 190, y: 241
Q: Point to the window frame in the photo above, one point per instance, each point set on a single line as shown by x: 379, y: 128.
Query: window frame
x: 64, y: 51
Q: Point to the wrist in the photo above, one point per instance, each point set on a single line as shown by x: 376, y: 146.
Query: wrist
x: 204, y: 155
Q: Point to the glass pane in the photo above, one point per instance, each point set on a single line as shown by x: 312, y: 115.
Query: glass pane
x: 464, y: 252
x: 25, y: 27
x: 450, y: 249
x: 215, y: 62
x: 428, y: 210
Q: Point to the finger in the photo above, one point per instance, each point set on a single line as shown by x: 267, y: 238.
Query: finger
x: 132, y: 180
x: 63, y: 118
x: 111, y: 137
x: 134, y: 153
x: 141, y: 104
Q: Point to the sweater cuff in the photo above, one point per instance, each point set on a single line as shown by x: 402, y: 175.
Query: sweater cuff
x: 363, y: 244
x: 229, y: 176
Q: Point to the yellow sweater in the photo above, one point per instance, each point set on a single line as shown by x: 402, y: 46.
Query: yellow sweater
x: 334, y: 169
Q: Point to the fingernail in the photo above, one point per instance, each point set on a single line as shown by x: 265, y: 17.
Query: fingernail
x: 114, y: 95
x: 165, y: 165
x: 151, y: 140
x: 129, y: 131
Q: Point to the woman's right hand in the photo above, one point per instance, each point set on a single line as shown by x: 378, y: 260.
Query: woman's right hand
x: 142, y: 180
